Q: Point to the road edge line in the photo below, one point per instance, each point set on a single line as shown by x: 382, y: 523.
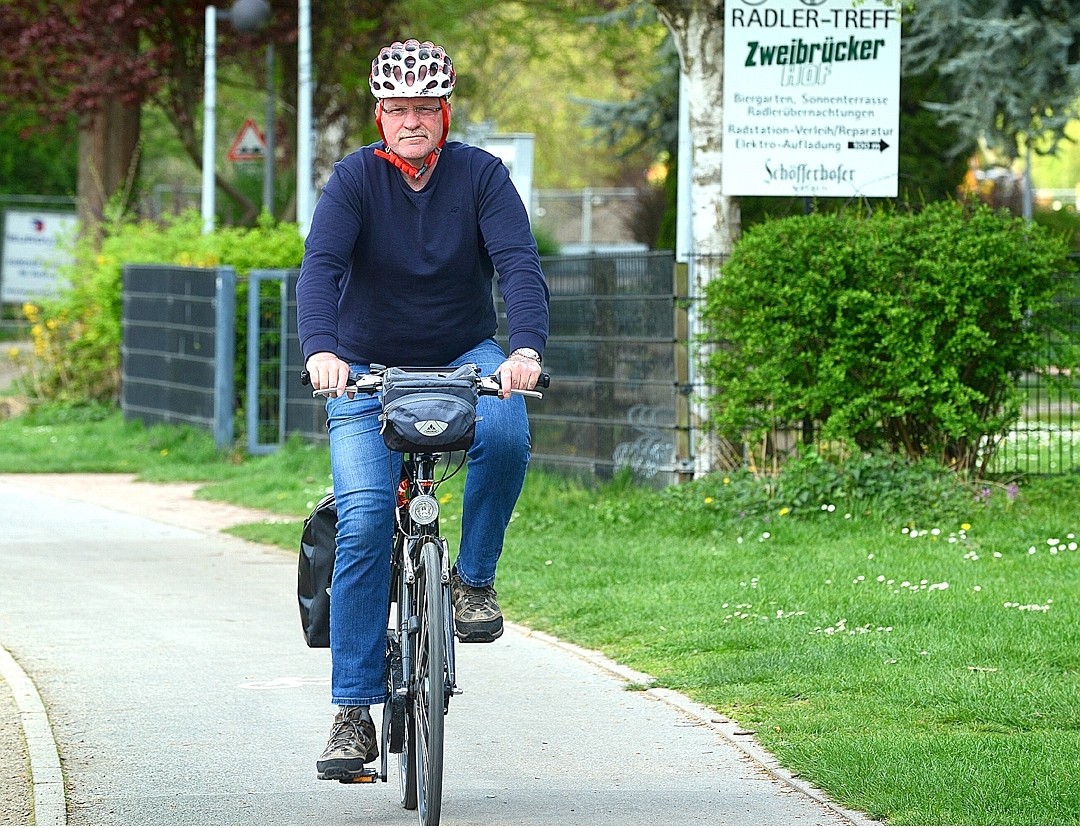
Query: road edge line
x: 46, y: 777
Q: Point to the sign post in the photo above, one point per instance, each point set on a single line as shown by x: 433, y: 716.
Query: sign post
x: 811, y: 98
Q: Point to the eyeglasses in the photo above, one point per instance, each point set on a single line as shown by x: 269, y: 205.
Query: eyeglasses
x: 421, y: 112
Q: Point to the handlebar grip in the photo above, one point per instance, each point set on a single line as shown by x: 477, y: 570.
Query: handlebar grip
x: 305, y: 378
x: 544, y: 381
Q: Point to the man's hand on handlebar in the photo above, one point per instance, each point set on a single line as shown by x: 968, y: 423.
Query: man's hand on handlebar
x: 327, y: 373
x: 517, y: 373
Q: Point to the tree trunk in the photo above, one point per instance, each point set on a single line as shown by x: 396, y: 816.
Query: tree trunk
x: 697, y: 27
x: 108, y: 161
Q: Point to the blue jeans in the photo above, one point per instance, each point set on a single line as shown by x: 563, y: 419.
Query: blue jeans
x: 365, y: 475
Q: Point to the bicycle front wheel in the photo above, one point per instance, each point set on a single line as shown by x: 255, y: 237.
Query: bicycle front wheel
x: 429, y: 699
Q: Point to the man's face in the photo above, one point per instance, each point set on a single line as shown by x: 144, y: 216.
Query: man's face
x: 413, y: 127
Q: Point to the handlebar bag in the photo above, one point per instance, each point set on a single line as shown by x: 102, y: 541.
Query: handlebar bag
x: 315, y: 570
x: 429, y: 412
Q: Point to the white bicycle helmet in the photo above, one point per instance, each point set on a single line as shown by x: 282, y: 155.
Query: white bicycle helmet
x: 412, y: 70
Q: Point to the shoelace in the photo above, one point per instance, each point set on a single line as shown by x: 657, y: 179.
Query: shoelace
x: 347, y: 731
x: 476, y: 598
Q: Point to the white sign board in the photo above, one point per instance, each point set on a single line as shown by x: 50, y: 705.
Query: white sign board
x: 36, y: 246
x: 811, y: 97
x: 515, y: 150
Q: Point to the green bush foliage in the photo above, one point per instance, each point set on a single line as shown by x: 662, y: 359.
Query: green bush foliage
x: 882, y: 485
x: 77, y: 335
x: 903, y: 332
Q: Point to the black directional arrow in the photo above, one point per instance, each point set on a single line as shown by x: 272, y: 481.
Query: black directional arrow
x: 881, y: 146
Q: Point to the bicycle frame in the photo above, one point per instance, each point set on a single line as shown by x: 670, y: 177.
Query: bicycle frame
x: 418, y: 480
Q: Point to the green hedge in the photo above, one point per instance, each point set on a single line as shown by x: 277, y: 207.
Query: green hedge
x: 903, y: 332
x: 77, y: 336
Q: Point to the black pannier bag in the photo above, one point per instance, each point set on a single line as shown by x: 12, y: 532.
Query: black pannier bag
x: 315, y: 570
x: 429, y: 411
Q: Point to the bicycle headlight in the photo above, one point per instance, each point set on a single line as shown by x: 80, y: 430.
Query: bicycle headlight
x: 424, y: 509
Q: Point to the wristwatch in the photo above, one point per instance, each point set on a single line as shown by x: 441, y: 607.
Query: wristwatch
x: 528, y: 353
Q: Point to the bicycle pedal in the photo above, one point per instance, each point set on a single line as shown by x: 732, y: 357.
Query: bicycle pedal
x: 365, y: 776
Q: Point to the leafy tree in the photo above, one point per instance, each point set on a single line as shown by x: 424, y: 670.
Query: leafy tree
x: 646, y: 123
x: 103, y: 60
x: 52, y: 61
x: 99, y: 62
x: 36, y: 164
x: 1010, y: 67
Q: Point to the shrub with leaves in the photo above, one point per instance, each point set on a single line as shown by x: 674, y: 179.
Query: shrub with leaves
x: 906, y: 332
x: 818, y: 482
x: 77, y: 336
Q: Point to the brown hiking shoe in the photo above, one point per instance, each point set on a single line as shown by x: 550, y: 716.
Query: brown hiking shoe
x: 477, y: 617
x: 352, y: 743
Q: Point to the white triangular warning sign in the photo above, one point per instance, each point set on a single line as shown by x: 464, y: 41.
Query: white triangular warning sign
x: 249, y: 143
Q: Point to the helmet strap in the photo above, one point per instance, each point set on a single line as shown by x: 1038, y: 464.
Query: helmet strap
x: 415, y: 173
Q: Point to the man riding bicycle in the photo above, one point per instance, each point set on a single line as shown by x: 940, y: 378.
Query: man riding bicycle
x: 397, y: 270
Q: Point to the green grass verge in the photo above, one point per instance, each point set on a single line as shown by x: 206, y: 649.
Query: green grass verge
x: 922, y: 666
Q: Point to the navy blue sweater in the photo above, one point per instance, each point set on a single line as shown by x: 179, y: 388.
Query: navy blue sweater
x: 399, y: 277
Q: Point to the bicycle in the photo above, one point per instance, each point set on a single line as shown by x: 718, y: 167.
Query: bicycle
x: 421, y: 674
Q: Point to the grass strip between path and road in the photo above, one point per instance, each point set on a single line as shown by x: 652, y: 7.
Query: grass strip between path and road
x: 922, y: 668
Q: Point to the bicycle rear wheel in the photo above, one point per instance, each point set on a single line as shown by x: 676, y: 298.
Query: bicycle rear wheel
x: 397, y: 730
x: 398, y: 711
x: 430, y: 685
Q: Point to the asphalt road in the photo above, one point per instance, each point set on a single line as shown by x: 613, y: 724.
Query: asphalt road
x: 170, y: 660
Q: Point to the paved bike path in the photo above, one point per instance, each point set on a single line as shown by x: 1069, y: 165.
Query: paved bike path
x: 169, y: 658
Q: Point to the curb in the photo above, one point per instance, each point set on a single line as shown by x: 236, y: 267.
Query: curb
x: 742, y: 740
x: 46, y: 777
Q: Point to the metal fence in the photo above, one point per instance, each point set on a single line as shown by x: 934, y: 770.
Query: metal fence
x: 277, y: 404
x: 614, y: 394
x: 177, y: 347
x: 619, y: 354
x: 1046, y: 439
